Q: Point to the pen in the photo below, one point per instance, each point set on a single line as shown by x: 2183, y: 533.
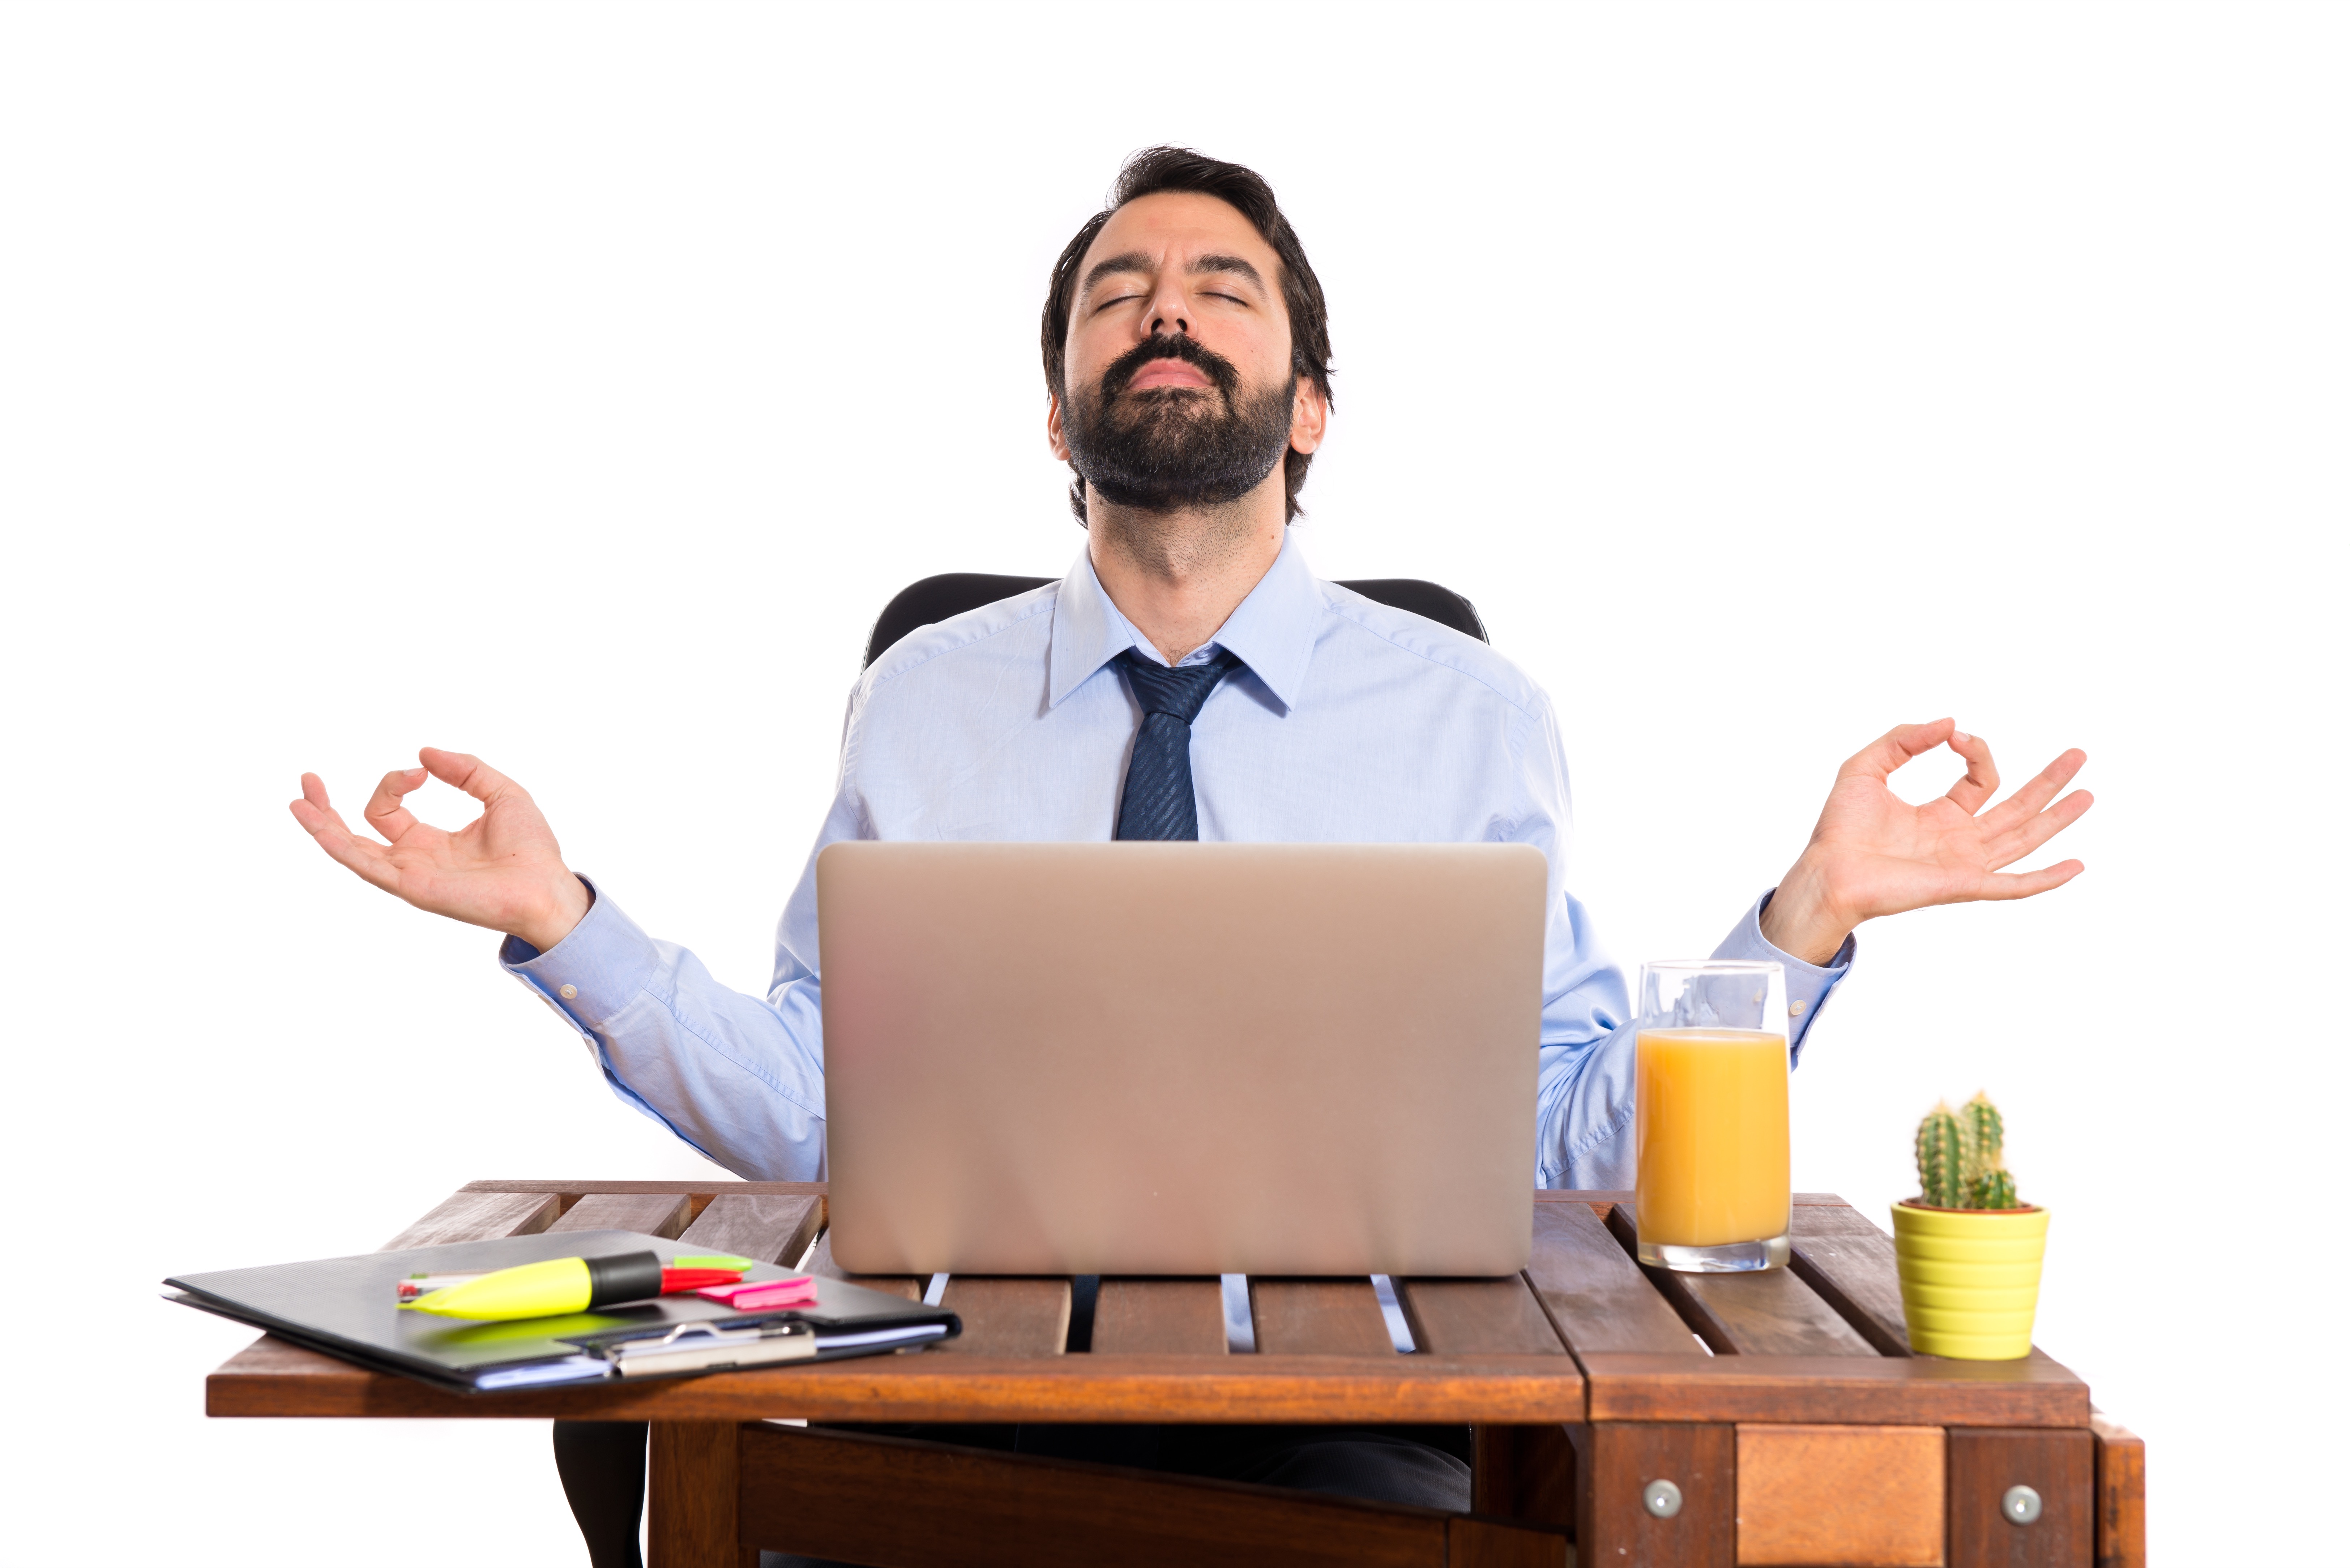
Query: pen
x: 556, y: 1286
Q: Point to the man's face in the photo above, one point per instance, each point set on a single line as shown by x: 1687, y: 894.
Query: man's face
x: 1179, y: 385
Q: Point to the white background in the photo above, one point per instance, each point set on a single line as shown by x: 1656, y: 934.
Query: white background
x: 573, y: 385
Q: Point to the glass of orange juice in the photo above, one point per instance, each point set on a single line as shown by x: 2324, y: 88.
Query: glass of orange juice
x: 1711, y: 1098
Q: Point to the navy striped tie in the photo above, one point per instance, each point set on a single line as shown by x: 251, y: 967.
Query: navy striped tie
x: 1159, y: 802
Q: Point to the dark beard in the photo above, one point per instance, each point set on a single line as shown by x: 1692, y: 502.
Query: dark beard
x: 1169, y: 447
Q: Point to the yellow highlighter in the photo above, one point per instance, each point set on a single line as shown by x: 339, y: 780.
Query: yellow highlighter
x: 564, y: 1285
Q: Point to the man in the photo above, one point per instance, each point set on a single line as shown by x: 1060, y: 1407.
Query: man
x: 1189, y: 679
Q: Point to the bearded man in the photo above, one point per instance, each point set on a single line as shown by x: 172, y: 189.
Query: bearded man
x: 1190, y: 677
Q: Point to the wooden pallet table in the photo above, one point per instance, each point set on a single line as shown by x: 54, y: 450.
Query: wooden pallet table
x: 1620, y: 1415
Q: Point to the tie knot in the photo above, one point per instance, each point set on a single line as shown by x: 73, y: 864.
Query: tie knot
x: 1178, y: 691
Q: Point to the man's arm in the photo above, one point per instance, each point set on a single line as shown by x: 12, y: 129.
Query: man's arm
x: 739, y: 1077
x: 1871, y: 854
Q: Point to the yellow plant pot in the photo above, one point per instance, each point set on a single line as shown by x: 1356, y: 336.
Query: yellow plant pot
x: 1970, y: 1279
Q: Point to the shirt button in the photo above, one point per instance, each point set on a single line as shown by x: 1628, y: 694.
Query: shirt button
x: 568, y: 992
x: 1795, y: 1009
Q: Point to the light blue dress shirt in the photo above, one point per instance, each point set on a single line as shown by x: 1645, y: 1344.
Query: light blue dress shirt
x: 1351, y: 723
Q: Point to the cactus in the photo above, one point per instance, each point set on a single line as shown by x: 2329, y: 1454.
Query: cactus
x: 1941, y: 1180
x: 1992, y: 1190
x: 1961, y: 1159
x: 1981, y: 1136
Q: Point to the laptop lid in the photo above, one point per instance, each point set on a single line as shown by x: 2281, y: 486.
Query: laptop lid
x: 1180, y: 1058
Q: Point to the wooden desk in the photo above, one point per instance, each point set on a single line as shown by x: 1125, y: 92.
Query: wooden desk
x: 1786, y: 1407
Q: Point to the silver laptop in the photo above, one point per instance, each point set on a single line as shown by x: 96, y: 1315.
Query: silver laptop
x: 1180, y: 1058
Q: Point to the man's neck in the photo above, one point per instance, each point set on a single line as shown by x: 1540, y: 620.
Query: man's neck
x: 1179, y: 576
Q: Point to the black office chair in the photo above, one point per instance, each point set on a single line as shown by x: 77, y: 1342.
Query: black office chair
x: 934, y: 599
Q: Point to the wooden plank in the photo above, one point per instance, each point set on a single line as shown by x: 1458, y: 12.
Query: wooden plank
x: 469, y: 1215
x: 764, y: 1228
x: 1318, y: 1317
x: 1849, y: 1262
x: 1593, y: 1293
x: 2121, y: 1494
x: 693, y: 1487
x: 276, y: 1379
x: 661, y: 1214
x: 905, y: 1285
x: 1470, y: 1317
x: 1006, y: 1317
x: 1474, y: 1542
x: 1866, y: 1497
x: 2061, y: 1465
x: 1910, y: 1391
x: 1524, y: 1473
x: 1161, y: 1317
x: 892, y: 1501
x: 1614, y: 1527
x: 697, y: 1189
x: 1767, y: 1312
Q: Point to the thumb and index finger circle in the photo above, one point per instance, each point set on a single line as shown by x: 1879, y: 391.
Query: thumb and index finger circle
x: 1900, y: 744
x: 467, y: 772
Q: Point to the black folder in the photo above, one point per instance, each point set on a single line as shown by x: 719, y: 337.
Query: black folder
x: 348, y: 1307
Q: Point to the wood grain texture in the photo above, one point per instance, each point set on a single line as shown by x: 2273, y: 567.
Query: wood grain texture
x: 1910, y: 1391
x: 1159, y: 1317
x: 1474, y: 1542
x: 1471, y: 1317
x: 1524, y: 1473
x: 662, y: 1214
x: 2121, y: 1494
x: 1865, y: 1497
x: 1619, y: 1459
x: 692, y: 1489
x: 905, y: 1285
x: 2061, y: 1465
x: 1848, y: 1261
x: 1005, y: 1316
x: 766, y: 1228
x: 1318, y: 1317
x: 1767, y: 1312
x: 274, y: 1378
x: 469, y: 1215
x: 892, y: 1501
x: 1593, y: 1293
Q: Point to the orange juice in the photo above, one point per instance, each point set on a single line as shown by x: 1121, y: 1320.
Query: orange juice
x: 1714, y: 1136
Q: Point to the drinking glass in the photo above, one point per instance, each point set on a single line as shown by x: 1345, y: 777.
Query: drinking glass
x: 1711, y: 1092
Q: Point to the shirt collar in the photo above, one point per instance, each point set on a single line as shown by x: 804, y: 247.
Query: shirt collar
x: 1272, y: 632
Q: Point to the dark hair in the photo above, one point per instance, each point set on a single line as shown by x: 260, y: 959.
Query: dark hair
x: 1155, y: 170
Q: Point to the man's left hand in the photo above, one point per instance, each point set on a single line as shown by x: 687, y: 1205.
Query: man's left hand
x: 1874, y: 854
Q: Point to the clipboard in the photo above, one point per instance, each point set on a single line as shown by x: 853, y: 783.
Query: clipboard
x: 347, y: 1308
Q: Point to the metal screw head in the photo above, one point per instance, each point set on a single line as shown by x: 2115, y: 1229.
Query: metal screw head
x: 1662, y: 1499
x: 2021, y: 1505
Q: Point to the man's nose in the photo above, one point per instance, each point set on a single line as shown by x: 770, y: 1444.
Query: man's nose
x: 1170, y: 312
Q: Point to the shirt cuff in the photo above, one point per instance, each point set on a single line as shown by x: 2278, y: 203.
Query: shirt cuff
x: 601, y: 967
x: 1808, y: 984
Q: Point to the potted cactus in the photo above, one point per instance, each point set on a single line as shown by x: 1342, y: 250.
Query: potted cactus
x: 1969, y: 1252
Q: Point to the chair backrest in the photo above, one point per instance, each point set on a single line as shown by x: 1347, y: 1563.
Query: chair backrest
x: 933, y: 600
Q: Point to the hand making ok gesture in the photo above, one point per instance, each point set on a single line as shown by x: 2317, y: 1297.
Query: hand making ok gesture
x: 503, y: 870
x: 1874, y: 854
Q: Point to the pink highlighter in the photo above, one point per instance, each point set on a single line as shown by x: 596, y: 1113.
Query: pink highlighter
x: 758, y: 1295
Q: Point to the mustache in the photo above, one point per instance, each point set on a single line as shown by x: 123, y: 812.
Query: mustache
x: 1129, y: 365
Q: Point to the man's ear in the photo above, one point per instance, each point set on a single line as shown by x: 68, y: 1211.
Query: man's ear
x: 1310, y: 420
x: 1053, y: 436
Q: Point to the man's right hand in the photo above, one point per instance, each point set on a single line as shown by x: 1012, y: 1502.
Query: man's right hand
x: 503, y: 871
